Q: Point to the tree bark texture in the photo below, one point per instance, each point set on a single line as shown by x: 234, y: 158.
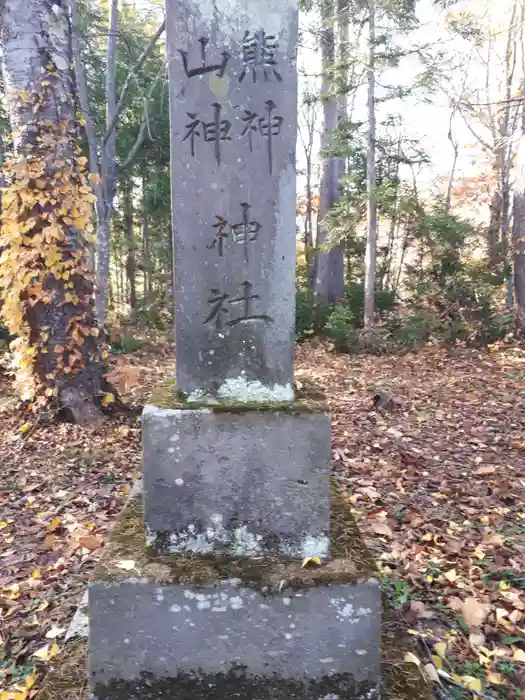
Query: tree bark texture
x: 131, y: 261
x: 108, y: 166
x: 518, y: 235
x: 329, y: 278
x: 371, y: 238
x: 56, y: 314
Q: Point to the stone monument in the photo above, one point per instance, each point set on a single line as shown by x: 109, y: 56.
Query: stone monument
x: 237, y: 494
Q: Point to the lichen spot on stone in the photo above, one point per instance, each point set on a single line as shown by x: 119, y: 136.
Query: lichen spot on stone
x: 236, y: 602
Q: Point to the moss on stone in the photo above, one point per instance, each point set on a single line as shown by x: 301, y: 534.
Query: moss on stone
x: 235, y: 684
x: 308, y: 399
x: 350, y: 562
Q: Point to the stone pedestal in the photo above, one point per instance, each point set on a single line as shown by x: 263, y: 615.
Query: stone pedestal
x: 244, y: 482
x: 215, y: 627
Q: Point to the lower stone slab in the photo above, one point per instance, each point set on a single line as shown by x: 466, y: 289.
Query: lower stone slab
x: 226, y: 641
x: 244, y: 482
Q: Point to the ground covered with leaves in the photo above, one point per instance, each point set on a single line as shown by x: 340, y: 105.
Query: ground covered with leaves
x: 436, y: 482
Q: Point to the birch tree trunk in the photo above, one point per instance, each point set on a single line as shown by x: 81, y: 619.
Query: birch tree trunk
x: 109, y: 166
x: 329, y: 278
x: 518, y: 232
x: 371, y: 238
x: 44, y: 274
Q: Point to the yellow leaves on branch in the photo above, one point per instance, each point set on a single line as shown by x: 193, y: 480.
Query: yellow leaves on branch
x: 46, y: 225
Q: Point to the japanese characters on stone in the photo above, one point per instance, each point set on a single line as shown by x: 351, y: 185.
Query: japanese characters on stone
x: 215, y: 128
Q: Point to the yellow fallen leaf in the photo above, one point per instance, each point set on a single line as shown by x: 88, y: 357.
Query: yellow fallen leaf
x: 441, y: 649
x: 451, y: 575
x: 14, y: 694
x: 427, y: 537
x: 431, y: 672
x: 484, y: 660
x: 25, y: 427
x: 504, y: 586
x: 307, y: 561
x: 47, y: 652
x: 519, y: 655
x: 36, y: 574
x: 470, y: 682
x: 494, y: 539
x: 108, y: 399
x: 496, y: 678
x: 54, y: 525
x: 42, y: 653
x: 411, y: 658
x: 501, y: 614
x: 479, y: 553
x: 30, y: 680
x: 438, y: 662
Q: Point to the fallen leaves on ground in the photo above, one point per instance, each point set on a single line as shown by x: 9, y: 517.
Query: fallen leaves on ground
x: 61, y: 488
x: 437, y: 487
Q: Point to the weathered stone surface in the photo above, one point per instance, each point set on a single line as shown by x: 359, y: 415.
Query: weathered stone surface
x: 233, y: 85
x: 152, y: 642
x: 239, y: 482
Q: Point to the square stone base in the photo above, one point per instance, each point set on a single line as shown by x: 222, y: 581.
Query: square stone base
x: 240, y: 482
x: 160, y: 642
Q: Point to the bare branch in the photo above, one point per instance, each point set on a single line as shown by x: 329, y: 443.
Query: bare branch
x: 142, y: 129
x: 142, y: 58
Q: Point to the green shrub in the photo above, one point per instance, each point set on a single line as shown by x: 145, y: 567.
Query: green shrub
x: 310, y: 317
x: 354, y: 298
x: 340, y: 327
x: 121, y: 344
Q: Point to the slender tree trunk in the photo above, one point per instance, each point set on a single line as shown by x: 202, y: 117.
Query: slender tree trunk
x: 494, y: 227
x: 329, y: 279
x: 108, y: 165
x: 371, y: 238
x: 455, y: 150
x: 146, y: 249
x: 308, y: 221
x: 518, y: 232
x: 45, y: 278
x: 131, y: 261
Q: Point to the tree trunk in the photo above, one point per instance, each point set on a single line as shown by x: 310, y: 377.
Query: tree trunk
x: 131, y: 262
x: 494, y: 227
x: 308, y: 223
x: 518, y: 234
x: 329, y: 279
x: 371, y: 238
x: 146, y: 249
x: 108, y: 166
x: 45, y: 278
